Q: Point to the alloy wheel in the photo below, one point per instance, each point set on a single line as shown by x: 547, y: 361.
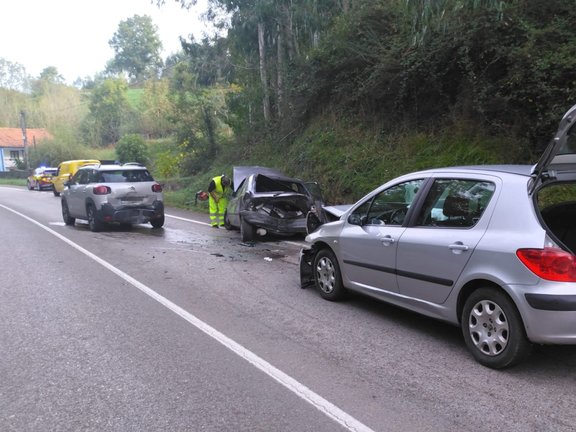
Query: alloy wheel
x: 326, y: 274
x: 488, y: 327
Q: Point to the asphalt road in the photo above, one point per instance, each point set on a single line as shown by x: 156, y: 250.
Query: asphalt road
x: 187, y: 329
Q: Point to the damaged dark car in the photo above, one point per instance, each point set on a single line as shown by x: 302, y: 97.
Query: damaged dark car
x: 265, y: 201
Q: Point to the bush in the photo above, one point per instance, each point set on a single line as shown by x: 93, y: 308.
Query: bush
x: 132, y: 148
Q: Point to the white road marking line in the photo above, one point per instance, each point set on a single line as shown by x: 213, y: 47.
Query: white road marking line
x: 317, y: 401
x: 187, y: 220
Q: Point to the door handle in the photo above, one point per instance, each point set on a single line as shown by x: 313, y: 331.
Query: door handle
x: 458, y: 246
x: 387, y: 240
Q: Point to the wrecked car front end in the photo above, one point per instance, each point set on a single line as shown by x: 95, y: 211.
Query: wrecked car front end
x: 282, y: 214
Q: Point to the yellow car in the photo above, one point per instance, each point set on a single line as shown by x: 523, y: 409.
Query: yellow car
x: 41, y: 179
x: 66, y: 170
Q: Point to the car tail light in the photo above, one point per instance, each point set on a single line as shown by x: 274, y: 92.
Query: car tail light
x: 101, y: 190
x: 156, y: 187
x: 549, y: 263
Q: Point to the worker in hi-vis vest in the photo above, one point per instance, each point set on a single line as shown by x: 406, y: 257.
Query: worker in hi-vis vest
x: 218, y: 201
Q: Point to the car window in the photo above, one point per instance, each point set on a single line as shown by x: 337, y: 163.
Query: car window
x: 569, y: 145
x: 81, y: 177
x: 124, y: 176
x: 242, y: 188
x: 389, y: 207
x: 455, y: 203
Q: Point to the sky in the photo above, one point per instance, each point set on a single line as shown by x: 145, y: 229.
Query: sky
x: 73, y: 35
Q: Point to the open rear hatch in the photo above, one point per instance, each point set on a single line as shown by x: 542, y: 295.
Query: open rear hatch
x: 558, y: 162
x: 554, y: 183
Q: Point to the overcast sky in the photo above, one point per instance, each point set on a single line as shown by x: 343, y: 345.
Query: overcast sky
x: 73, y: 35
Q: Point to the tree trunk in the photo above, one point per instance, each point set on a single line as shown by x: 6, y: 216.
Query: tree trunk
x: 346, y: 6
x: 280, y: 72
x: 263, y: 72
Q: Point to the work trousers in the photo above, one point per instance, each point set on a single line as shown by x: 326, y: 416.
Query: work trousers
x: 217, y: 210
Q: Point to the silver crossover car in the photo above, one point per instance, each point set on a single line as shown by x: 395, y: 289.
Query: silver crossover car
x: 103, y: 194
x: 488, y: 248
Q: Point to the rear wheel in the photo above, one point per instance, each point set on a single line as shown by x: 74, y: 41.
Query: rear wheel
x: 29, y: 185
x: 93, y: 222
x: 327, y: 276
x: 247, y: 231
x: 493, y: 329
x: 68, y: 220
x: 157, y: 223
x: 55, y: 192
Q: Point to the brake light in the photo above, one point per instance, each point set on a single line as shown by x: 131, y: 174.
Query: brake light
x: 156, y: 187
x: 101, y: 190
x: 549, y: 263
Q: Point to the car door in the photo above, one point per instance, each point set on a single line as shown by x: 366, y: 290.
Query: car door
x: 369, y: 239
x: 434, y: 250
x: 233, y: 208
x: 76, y: 195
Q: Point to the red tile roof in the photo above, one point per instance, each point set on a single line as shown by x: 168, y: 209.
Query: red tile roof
x: 12, y: 137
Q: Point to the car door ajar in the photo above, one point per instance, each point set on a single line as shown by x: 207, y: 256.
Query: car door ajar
x: 76, y: 193
x: 235, y: 202
x: 369, y: 239
x: 433, y: 252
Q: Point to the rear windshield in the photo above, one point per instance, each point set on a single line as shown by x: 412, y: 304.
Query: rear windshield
x: 266, y: 184
x: 124, y: 176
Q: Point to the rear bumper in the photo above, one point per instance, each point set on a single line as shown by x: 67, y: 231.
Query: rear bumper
x: 273, y: 224
x: 548, y: 311
x: 45, y: 185
x: 131, y: 215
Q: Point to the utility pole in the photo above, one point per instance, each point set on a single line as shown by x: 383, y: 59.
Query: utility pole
x: 24, y: 138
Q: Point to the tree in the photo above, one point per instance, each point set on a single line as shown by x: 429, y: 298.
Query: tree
x: 49, y: 77
x: 109, y: 108
x: 13, y: 76
x: 137, y: 48
x: 440, y: 14
x: 132, y: 148
x: 156, y: 109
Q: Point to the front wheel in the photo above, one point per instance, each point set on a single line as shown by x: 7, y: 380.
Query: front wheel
x: 327, y: 276
x: 68, y: 220
x: 247, y: 231
x: 227, y: 223
x: 493, y: 329
x: 93, y: 222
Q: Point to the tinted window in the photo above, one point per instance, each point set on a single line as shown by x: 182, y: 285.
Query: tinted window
x: 455, y: 203
x: 124, y: 176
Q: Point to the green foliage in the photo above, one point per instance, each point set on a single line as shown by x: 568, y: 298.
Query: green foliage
x: 109, y: 111
x: 349, y: 158
x: 134, y: 97
x: 132, y: 148
x: 510, y: 72
x: 156, y: 110
x: 11, y: 103
x: 52, y: 153
x: 13, y: 76
x: 137, y: 49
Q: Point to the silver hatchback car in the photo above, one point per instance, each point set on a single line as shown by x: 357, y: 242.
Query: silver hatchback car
x: 103, y: 194
x: 488, y: 248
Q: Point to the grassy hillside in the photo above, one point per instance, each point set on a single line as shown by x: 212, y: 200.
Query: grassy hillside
x: 349, y: 159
